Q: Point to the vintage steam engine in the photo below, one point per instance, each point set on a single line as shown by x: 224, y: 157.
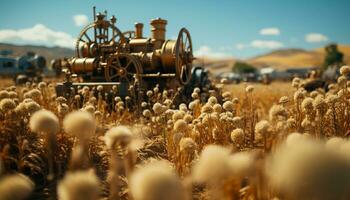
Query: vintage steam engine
x: 107, y: 56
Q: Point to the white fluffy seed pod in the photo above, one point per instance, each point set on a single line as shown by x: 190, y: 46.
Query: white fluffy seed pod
x: 307, y: 170
x: 335, y: 143
x: 44, y: 121
x: 180, y: 125
x: 249, y: 89
x: 188, y: 145
x: 178, y: 115
x: 156, y: 181
x: 228, y: 106
x: 207, y: 108
x: 262, y: 127
x: 212, y: 101
x: 7, y: 105
x: 213, y: 165
x: 80, y: 124
x: 345, y: 70
x: 15, y: 187
x: 32, y: 107
x: 242, y: 164
x: 80, y: 185
x: 118, y: 135
x: 158, y: 108
x: 237, y: 136
x: 278, y: 112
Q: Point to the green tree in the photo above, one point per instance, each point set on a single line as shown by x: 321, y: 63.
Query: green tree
x: 333, y: 56
x: 242, y: 67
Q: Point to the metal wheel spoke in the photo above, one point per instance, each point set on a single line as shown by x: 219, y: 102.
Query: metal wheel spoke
x: 87, y: 36
x: 127, y: 65
x: 113, y: 76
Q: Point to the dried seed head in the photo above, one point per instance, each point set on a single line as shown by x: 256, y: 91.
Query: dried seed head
x: 331, y: 99
x: 100, y: 88
x: 147, y: 113
x: 80, y: 124
x: 178, y: 115
x: 63, y: 109
x: 335, y: 143
x: 278, y: 112
x: 291, y: 123
x: 237, y: 136
x: 195, y: 95
x: 188, y: 145
x: 149, y: 93
x: 80, y: 185
x: 180, y: 125
x: 212, y: 101
x: 158, y: 108
x: 121, y: 135
x: 298, y: 95
x: 283, y: 100
x: 249, y: 89
x: 156, y: 180
x: 42, y: 85
x: 342, y: 81
x: 307, y: 170
x: 262, y: 127
x: 15, y: 187
x: 217, y: 108
x: 226, y: 95
x: 61, y: 100
x: 213, y: 165
x: 4, y: 94
x: 89, y: 108
x: 296, y: 82
x: 183, y: 107
x: 32, y: 107
x: 307, y: 105
x: 229, y: 106
x: 193, y: 104
x: 345, y: 70
x: 188, y: 118
x: 196, y: 90
x: 7, y: 105
x: 44, y: 121
x: 13, y: 95
x: 242, y: 164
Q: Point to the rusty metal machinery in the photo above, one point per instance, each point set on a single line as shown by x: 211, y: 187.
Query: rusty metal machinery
x: 106, y: 54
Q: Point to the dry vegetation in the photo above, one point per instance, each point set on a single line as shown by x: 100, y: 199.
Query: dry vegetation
x: 248, y: 142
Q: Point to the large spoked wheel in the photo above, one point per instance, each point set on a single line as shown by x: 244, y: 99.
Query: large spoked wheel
x: 123, y: 68
x: 183, y: 56
x: 87, y: 44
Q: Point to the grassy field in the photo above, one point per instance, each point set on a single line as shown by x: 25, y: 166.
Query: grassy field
x: 246, y: 141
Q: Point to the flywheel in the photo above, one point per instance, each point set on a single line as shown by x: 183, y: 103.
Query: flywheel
x: 123, y: 68
x: 183, y: 56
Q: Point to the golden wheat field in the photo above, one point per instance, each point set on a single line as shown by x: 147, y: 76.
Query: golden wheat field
x: 246, y: 141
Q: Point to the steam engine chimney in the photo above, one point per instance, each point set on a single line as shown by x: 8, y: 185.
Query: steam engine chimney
x: 138, y: 30
x: 158, y: 29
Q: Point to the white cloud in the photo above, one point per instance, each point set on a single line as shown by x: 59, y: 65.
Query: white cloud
x: 270, y: 31
x: 206, y: 51
x: 240, y: 46
x: 315, y: 38
x: 80, y: 20
x: 266, y: 44
x: 39, y: 34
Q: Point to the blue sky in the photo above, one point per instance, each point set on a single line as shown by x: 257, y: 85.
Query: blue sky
x: 238, y: 28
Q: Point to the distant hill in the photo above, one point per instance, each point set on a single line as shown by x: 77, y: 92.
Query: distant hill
x: 48, y: 52
x: 279, y: 59
x: 284, y: 58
